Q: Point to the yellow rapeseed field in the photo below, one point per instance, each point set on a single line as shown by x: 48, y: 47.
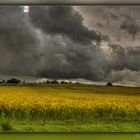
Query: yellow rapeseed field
x: 62, y: 103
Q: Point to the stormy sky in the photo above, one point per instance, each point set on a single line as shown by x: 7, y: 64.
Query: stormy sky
x: 97, y: 43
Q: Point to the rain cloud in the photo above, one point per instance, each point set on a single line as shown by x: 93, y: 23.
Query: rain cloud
x: 94, y: 43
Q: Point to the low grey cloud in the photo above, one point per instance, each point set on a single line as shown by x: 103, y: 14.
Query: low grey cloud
x: 125, y: 58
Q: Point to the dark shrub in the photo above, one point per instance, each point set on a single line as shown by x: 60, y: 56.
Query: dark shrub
x: 54, y: 82
x: 48, y: 82
x: 62, y: 82
x: 109, y: 84
x: 13, y: 80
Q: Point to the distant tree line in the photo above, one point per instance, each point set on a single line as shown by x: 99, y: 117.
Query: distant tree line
x: 56, y: 82
x: 17, y: 81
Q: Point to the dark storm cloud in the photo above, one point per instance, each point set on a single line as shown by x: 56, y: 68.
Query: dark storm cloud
x: 62, y: 58
x: 17, y: 42
x: 75, y: 56
x: 70, y: 60
x: 57, y: 42
x: 25, y: 50
x: 130, y: 26
x: 62, y: 20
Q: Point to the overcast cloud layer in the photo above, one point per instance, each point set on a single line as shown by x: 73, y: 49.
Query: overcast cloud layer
x: 98, y: 43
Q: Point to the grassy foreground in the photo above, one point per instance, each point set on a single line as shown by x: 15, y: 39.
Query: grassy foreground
x: 69, y: 108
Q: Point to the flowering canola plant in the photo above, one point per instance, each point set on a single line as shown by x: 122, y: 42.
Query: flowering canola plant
x: 46, y: 103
